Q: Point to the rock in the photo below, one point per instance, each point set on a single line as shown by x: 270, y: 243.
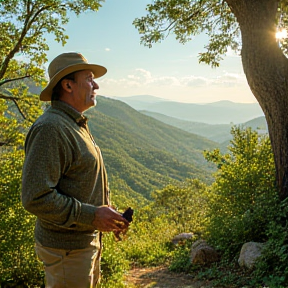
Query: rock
x: 250, y: 251
x: 182, y: 236
x: 202, y: 254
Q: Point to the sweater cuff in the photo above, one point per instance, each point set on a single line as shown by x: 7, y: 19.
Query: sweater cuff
x: 87, y: 214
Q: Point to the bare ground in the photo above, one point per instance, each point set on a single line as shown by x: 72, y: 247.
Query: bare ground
x: 161, y: 277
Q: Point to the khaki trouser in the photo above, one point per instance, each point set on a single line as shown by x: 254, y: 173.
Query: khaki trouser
x: 71, y: 269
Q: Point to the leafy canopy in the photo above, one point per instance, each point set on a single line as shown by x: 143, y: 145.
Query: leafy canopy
x: 188, y: 18
x: 24, y: 25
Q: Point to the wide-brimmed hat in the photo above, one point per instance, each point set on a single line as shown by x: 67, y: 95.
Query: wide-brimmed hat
x: 65, y: 64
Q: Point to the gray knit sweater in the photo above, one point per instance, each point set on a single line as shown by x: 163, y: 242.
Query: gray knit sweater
x: 64, y: 178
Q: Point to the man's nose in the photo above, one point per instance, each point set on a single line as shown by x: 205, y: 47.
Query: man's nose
x: 95, y: 85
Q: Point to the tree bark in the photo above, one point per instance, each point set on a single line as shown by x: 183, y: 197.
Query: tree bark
x: 266, y: 69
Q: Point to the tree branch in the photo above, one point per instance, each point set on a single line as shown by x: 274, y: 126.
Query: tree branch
x: 16, y: 104
x: 13, y: 79
x: 173, y: 23
x: 2, y: 96
x: 30, y: 18
x: 14, y: 99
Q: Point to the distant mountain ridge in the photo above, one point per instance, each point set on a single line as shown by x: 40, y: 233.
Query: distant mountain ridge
x: 141, y: 98
x: 221, y: 112
x: 216, y: 132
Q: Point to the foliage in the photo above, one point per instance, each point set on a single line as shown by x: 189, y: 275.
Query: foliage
x: 18, y: 263
x: 273, y: 265
x: 122, y: 196
x: 149, y: 237
x: 226, y: 274
x: 242, y: 206
x: 184, y: 206
x: 242, y: 202
x: 173, y: 210
x: 9, y: 131
x: 243, y: 198
x: 113, y: 263
x: 24, y: 26
x: 188, y: 18
x: 180, y: 257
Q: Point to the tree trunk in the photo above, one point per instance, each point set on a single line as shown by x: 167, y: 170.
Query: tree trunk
x: 266, y: 69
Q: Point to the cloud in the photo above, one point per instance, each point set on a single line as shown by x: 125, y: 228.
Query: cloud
x: 229, y: 79
x: 192, y: 81
x: 190, y: 88
x: 141, y: 75
x: 144, y: 78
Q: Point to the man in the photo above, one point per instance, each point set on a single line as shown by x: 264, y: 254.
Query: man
x: 64, y: 180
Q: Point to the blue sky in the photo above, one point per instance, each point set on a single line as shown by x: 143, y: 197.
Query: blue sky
x: 168, y: 70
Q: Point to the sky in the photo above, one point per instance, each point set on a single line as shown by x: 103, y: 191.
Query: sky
x: 168, y: 70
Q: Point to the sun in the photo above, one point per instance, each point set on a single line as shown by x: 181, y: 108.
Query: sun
x: 280, y: 34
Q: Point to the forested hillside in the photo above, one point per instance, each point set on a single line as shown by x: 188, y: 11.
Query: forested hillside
x: 145, y: 153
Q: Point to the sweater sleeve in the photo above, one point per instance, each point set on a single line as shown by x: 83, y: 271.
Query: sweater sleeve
x: 48, y: 156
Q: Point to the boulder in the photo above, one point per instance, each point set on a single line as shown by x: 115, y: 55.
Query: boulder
x: 203, y: 254
x: 250, y: 251
x: 181, y: 237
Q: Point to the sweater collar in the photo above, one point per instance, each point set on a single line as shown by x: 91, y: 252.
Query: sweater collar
x: 78, y: 117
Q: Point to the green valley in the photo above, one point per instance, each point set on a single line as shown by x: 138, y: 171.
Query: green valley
x: 145, y: 153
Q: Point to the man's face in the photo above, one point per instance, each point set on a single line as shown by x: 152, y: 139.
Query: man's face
x: 84, y: 90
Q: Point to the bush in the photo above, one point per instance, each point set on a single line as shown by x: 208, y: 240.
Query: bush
x: 113, y: 263
x: 175, y: 209
x: 180, y: 260
x: 243, y: 198
x: 149, y: 239
x: 184, y: 206
x: 272, y: 268
x: 18, y: 262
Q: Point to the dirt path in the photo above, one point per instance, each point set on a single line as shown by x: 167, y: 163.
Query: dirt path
x: 161, y: 277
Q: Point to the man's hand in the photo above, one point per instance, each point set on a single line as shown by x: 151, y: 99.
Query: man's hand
x: 107, y: 219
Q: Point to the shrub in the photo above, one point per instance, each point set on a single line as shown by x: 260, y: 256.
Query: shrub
x: 113, y: 263
x: 175, y: 209
x: 149, y: 239
x: 272, y: 268
x: 180, y: 260
x: 184, y: 206
x: 18, y: 262
x: 243, y: 198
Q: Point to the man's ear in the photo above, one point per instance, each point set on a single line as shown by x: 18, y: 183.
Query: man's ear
x: 66, y: 85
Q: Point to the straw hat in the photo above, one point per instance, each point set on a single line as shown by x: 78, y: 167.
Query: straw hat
x: 65, y: 64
